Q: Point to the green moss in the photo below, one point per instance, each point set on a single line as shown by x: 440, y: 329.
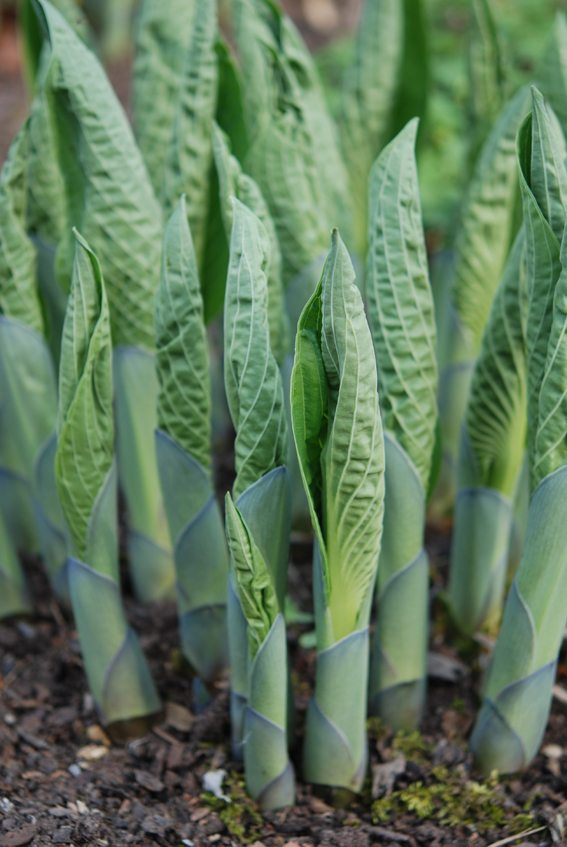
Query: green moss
x: 412, y: 745
x: 241, y: 816
x: 453, y: 801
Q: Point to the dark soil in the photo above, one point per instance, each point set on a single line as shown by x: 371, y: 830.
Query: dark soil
x: 62, y: 782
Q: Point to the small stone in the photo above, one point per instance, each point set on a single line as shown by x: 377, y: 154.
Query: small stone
x: 156, y: 825
x: 59, y: 812
x: 149, y: 781
x: 178, y: 717
x: 74, y: 770
x: 62, y: 835
x: 552, y: 751
x: 19, y: 838
x: 97, y: 734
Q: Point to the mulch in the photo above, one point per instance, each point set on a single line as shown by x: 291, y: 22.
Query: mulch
x: 62, y: 781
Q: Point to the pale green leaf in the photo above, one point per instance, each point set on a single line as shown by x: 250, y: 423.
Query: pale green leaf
x: 548, y: 177
x: 189, y: 156
x: 109, y: 195
x: 18, y: 293
x: 496, y: 412
x: 184, y: 401
x: 162, y: 43
x: 400, y: 302
x: 233, y: 182
x: 488, y: 221
x: 335, y: 377
x: 255, y: 590
x: 85, y: 426
x: 252, y: 378
x: 552, y: 72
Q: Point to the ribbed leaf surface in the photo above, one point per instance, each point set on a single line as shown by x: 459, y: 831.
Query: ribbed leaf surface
x: 189, y: 156
x: 109, y: 194
x: 252, y: 378
x: 162, y: 43
x: 85, y: 426
x: 548, y: 177
x: 233, y: 182
x: 400, y: 302
x: 184, y: 400
x: 496, y: 412
x: 487, y: 221
x: 18, y: 293
x: 335, y: 378
x: 255, y: 590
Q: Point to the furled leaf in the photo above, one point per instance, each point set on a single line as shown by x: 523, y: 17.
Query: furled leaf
x: 18, y: 293
x: 162, y: 43
x: 255, y: 590
x: 488, y: 221
x: 552, y: 72
x: 33, y: 39
x: 487, y: 72
x: 335, y: 377
x: 182, y: 355
x: 114, y: 206
x: 252, y: 377
x: 548, y: 177
x: 232, y: 181
x: 189, y: 156
x: 369, y: 91
x: 400, y: 302
x: 496, y: 413
x: 85, y: 426
x: 551, y: 435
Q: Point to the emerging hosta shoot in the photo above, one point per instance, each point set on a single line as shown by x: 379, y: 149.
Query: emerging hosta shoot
x: 491, y: 457
x: 517, y: 695
x: 183, y: 450
x: 258, y: 525
x: 400, y: 305
x: 338, y: 433
x: 27, y: 381
x: 487, y: 232
x: 116, y: 669
x: 116, y: 210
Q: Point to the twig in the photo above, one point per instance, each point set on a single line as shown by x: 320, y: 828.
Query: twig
x: 512, y: 838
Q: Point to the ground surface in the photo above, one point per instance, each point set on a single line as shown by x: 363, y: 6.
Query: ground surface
x: 61, y: 782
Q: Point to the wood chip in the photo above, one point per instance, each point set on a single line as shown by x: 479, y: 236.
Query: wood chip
x: 200, y: 814
x: 178, y: 717
x: 388, y: 835
x: 92, y: 752
x: 384, y: 776
x: 552, y: 751
x: 33, y: 741
x: 18, y: 838
x: 560, y: 693
x: 149, y: 781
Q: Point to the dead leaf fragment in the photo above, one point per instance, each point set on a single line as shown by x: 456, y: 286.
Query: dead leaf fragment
x: 384, y: 776
x: 92, y: 752
x: 178, y: 717
x: 97, y: 734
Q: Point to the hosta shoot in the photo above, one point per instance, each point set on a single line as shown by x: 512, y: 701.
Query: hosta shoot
x: 183, y: 445
x: 338, y: 433
x: 261, y: 490
x: 491, y: 459
x: 117, y: 212
x: 400, y: 304
x: 85, y: 469
x: 517, y: 693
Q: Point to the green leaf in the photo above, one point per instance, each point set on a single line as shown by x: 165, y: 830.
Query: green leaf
x: 162, y: 42
x: 255, y: 590
x: 232, y: 181
x: 400, y: 302
x: 413, y: 85
x: 189, y: 156
x: 487, y: 71
x: 333, y: 332
x: 18, y: 293
x: 488, y: 222
x: 184, y: 401
x: 495, y: 419
x: 548, y: 177
x: 252, y: 378
x: 113, y: 206
x: 85, y: 425
x: 551, y: 435
x: 552, y: 71
x: 368, y: 96
x: 230, y: 103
